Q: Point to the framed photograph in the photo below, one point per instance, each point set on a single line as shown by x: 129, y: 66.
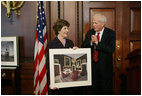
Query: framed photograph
x: 70, y: 71
x: 9, y: 52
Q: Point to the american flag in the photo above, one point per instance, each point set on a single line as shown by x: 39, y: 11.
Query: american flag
x: 40, y: 72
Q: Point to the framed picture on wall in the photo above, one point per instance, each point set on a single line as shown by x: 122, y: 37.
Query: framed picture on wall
x: 72, y: 72
x: 9, y: 52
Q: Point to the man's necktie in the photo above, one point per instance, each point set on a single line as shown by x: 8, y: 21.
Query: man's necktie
x: 95, y: 51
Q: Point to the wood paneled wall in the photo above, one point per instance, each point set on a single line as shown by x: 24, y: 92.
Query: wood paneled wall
x: 123, y: 17
x: 23, y: 26
x: 70, y: 11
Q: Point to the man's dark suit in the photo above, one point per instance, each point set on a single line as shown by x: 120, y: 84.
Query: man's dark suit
x: 102, y: 70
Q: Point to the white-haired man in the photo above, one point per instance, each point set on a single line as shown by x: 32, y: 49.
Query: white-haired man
x: 101, y: 40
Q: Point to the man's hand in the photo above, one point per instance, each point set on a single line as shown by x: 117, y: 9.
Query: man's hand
x: 94, y: 39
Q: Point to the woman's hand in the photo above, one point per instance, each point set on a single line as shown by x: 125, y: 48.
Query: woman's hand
x: 54, y: 88
x: 75, y: 47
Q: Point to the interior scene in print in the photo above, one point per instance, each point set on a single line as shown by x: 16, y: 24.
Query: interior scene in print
x: 70, y: 67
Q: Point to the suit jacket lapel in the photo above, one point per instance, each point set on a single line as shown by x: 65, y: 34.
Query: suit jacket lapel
x: 104, y: 35
x: 60, y: 45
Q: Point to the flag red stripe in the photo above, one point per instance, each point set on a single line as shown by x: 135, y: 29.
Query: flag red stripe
x: 43, y: 72
x: 36, y: 35
x: 39, y: 92
x: 41, y: 54
x: 45, y: 37
x: 44, y: 90
x: 45, y: 51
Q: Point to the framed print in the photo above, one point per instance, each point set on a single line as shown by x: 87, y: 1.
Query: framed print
x: 70, y: 71
x: 9, y: 51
